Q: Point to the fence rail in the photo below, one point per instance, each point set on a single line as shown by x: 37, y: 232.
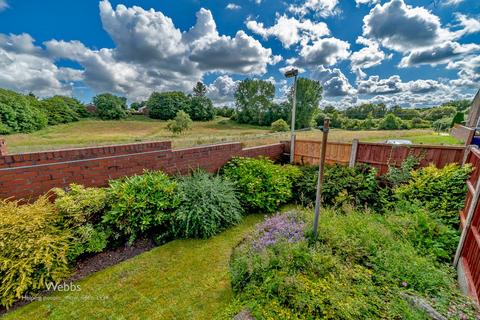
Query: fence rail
x: 379, y: 155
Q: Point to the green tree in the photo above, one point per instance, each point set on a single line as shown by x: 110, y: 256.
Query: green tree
x: 200, y: 89
x: 180, y: 123
x: 75, y: 105
x: 253, y: 100
x: 165, y: 105
x: 390, y: 122
x: 309, y: 93
x: 19, y: 113
x: 280, y: 126
x: 137, y: 105
x: 438, y: 113
x: 201, y: 108
x: 58, y: 111
x: 110, y: 107
x: 459, y: 118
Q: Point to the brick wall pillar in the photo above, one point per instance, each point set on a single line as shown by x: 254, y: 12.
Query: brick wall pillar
x: 3, y: 147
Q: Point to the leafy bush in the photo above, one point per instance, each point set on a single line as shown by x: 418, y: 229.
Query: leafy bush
x: 390, y: 122
x: 110, y: 107
x: 201, y: 109
x: 18, y: 113
x: 33, y: 248
x: 165, y: 105
x: 208, y: 205
x: 357, y: 269
x: 80, y: 205
x: 262, y: 185
x: 180, y: 123
x: 280, y: 126
x: 341, y: 185
x: 88, y: 239
x: 397, y: 176
x: 81, y: 210
x: 76, y: 106
x: 142, y: 204
x: 428, y: 235
x: 439, y: 190
x: 58, y: 111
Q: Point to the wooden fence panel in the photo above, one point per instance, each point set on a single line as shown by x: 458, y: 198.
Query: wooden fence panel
x: 381, y: 155
x: 468, y: 254
x: 308, y: 152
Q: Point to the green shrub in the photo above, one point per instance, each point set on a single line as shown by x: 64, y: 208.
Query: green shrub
x: 201, y: 109
x: 262, y: 185
x: 88, y: 239
x: 208, y: 205
x: 33, y: 248
x: 358, y: 268
x: 342, y: 185
x: 110, y: 107
x: 280, y: 126
x: 58, y: 111
x: 80, y: 205
x: 440, y: 190
x: 390, y: 122
x: 180, y: 123
x: 18, y: 113
x: 81, y: 210
x: 428, y: 235
x: 142, y: 204
x: 165, y: 105
x: 397, y: 176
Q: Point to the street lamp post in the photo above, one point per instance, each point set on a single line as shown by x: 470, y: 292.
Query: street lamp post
x: 289, y: 74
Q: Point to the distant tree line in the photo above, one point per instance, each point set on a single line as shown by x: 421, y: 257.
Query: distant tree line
x: 27, y: 113
x: 254, y: 104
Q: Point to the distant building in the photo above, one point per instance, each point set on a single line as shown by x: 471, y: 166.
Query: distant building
x: 143, y: 110
x: 474, y: 113
x: 91, y: 108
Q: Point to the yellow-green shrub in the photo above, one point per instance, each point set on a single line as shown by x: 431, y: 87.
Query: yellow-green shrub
x: 33, y: 248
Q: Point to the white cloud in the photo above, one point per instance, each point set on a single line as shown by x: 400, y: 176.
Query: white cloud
x: 26, y: 68
x: 367, y: 2
x: 151, y: 53
x: 369, y: 56
x: 326, y: 51
x: 403, y: 28
x: 322, y: 8
x: 469, y: 71
x: 3, y: 5
x: 290, y: 31
x: 233, y: 6
x: 375, y: 85
x: 451, y: 2
x: 468, y: 24
x: 222, y: 90
x: 334, y: 82
x: 442, y: 53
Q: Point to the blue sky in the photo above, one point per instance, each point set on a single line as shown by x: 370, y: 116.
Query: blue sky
x: 413, y: 53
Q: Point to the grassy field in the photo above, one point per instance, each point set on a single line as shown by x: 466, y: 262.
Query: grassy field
x: 137, y: 129
x: 183, y: 279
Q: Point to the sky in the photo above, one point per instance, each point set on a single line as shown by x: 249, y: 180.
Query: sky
x: 414, y: 53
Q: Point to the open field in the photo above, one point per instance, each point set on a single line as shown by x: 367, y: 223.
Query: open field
x: 137, y: 129
x: 183, y: 279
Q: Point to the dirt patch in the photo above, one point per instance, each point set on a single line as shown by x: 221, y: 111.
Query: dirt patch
x: 90, y: 264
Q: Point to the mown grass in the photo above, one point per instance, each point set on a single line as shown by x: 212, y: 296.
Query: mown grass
x: 183, y: 279
x: 139, y: 128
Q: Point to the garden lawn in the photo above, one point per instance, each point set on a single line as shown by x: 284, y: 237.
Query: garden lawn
x: 183, y: 279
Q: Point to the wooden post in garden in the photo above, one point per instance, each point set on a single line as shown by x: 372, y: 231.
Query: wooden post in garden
x: 3, y: 147
x: 353, y: 153
x: 321, y: 166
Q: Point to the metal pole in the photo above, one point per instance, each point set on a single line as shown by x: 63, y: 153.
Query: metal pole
x: 321, y: 166
x: 292, y: 126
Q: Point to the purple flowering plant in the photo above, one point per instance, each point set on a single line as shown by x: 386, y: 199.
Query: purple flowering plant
x: 283, y: 227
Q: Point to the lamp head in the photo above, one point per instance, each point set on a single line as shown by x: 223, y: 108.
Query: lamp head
x: 291, y: 73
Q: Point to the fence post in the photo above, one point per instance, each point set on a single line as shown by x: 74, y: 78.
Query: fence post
x: 465, y: 153
x: 353, y: 153
x: 3, y: 147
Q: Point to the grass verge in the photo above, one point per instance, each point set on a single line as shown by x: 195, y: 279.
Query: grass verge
x: 183, y: 279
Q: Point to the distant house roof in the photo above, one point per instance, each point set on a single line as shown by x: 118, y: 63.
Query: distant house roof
x: 91, y: 108
x: 474, y: 113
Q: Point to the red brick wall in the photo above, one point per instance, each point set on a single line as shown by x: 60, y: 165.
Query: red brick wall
x: 28, y: 176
